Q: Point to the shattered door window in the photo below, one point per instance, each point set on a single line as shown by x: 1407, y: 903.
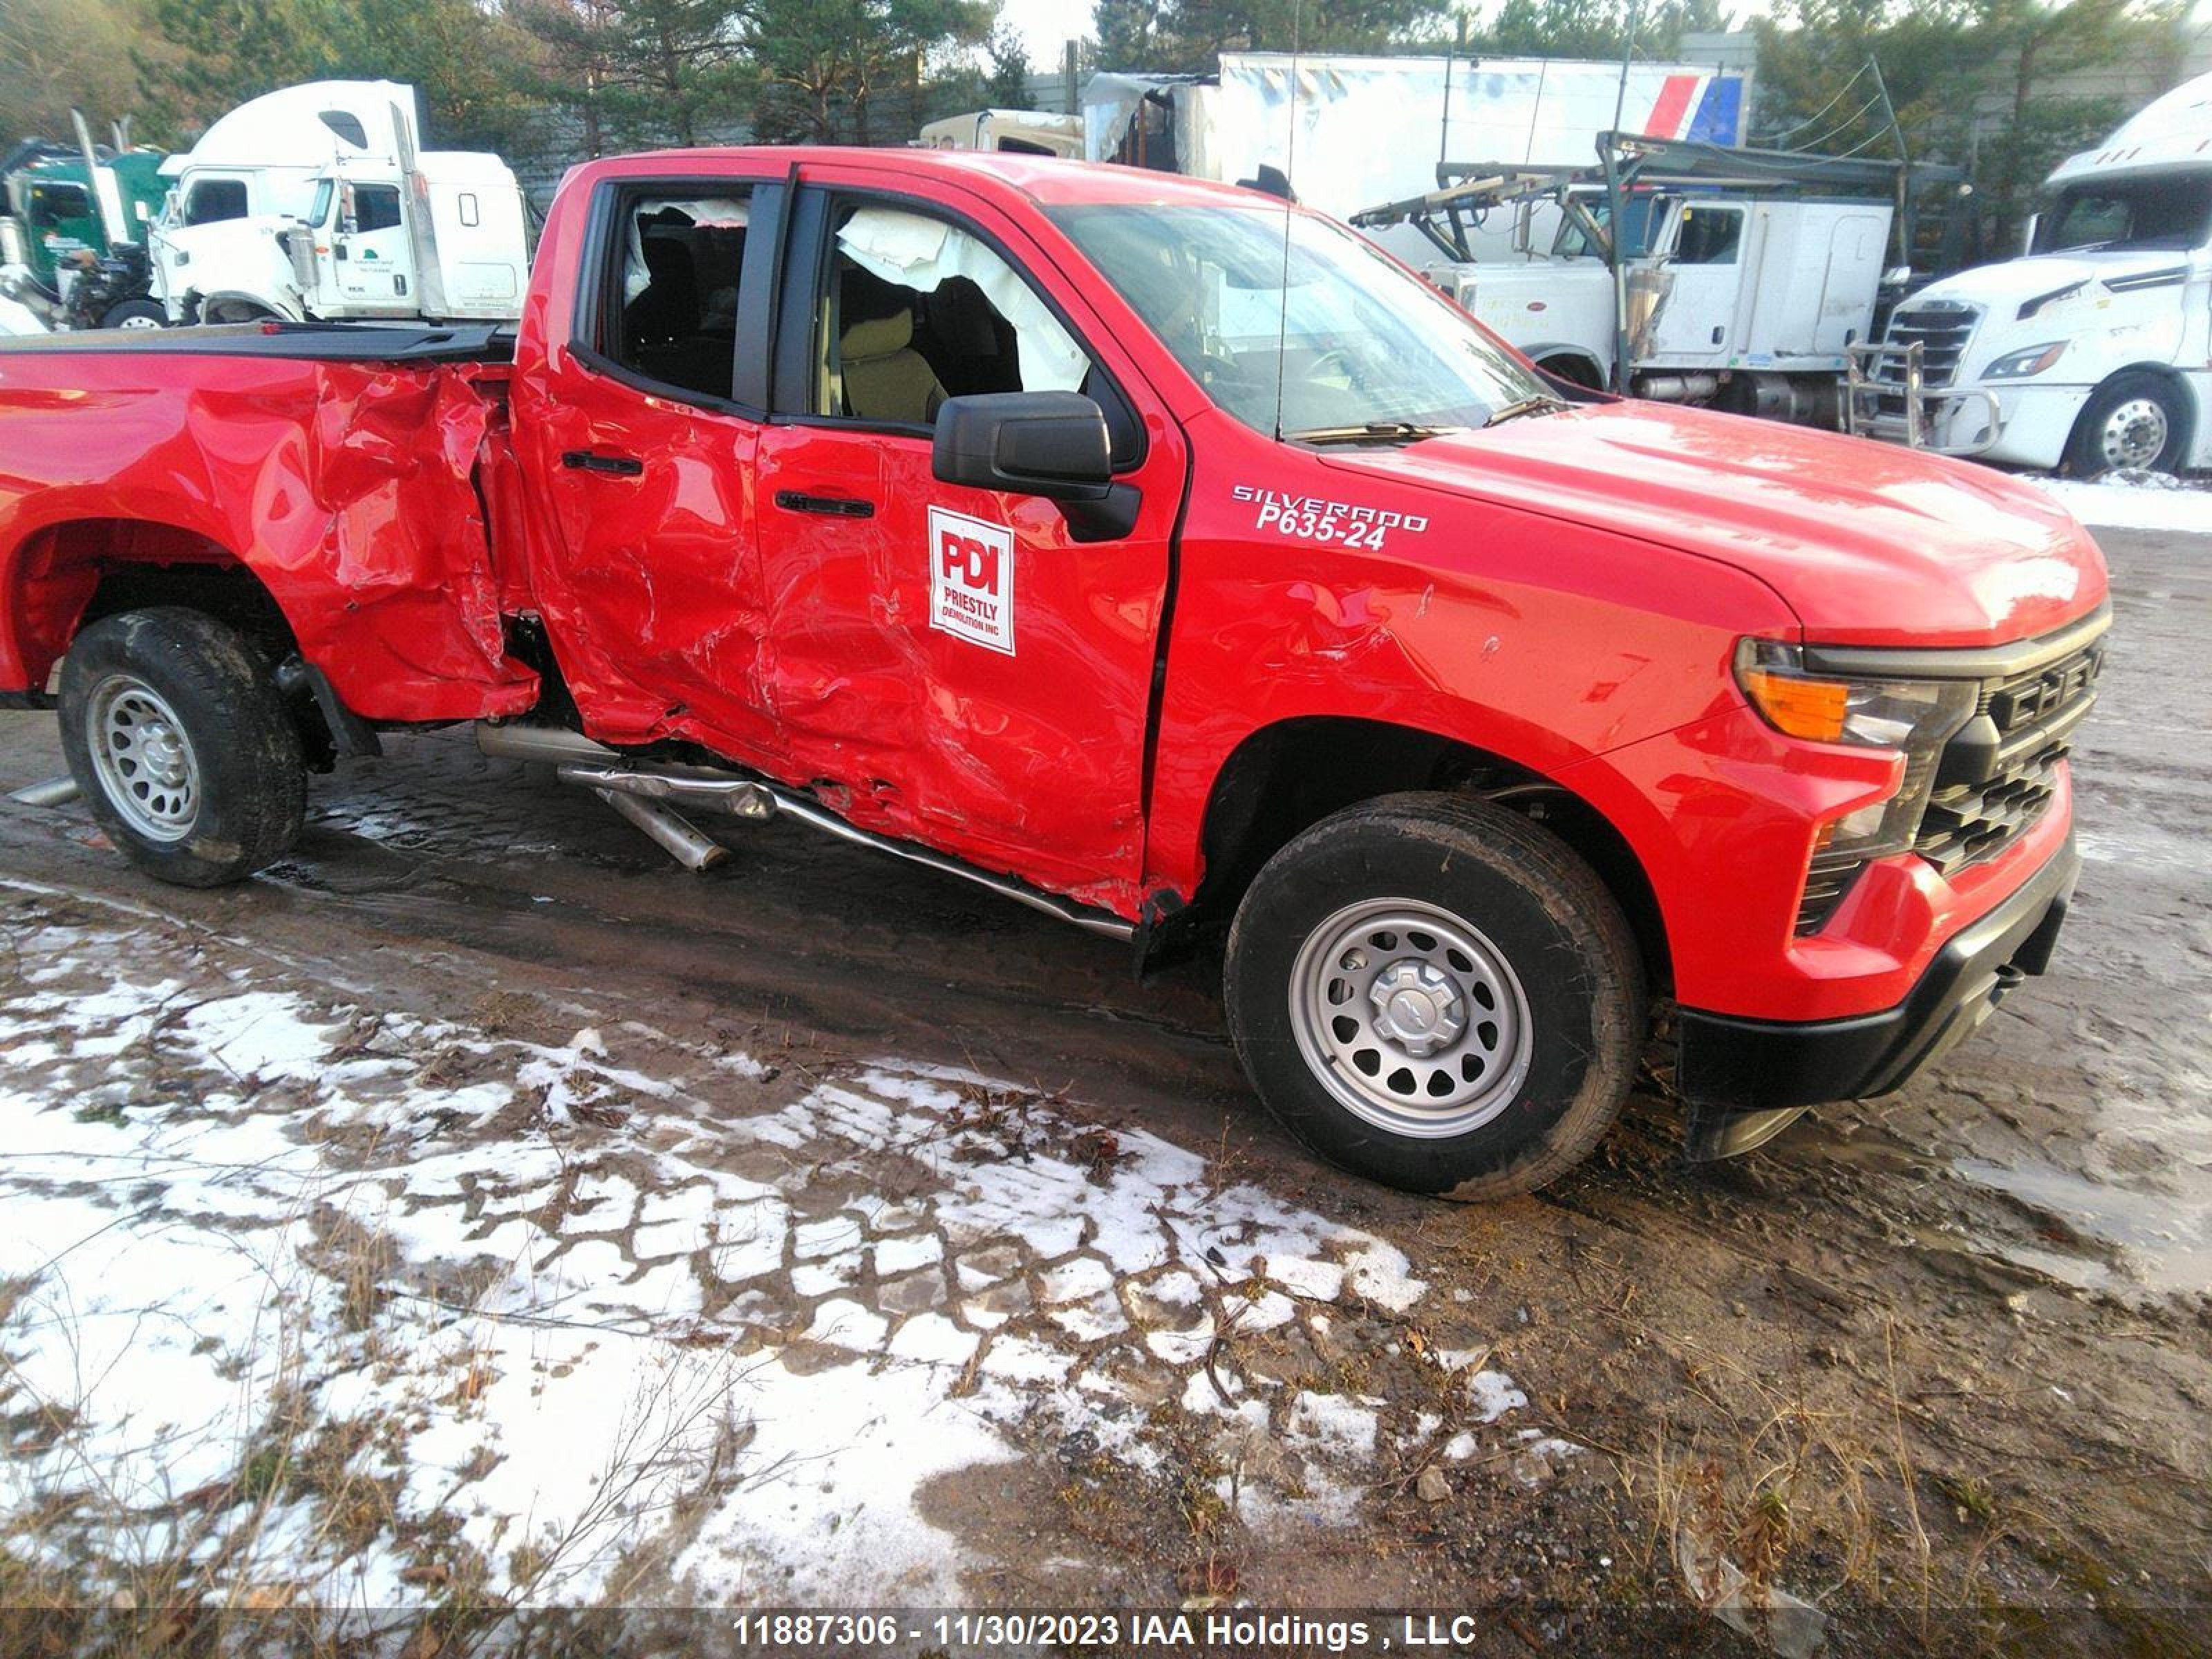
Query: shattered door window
x: 675, y: 309
x: 918, y: 310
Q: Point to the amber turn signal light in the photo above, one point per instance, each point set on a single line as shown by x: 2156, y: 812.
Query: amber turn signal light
x: 1801, y: 708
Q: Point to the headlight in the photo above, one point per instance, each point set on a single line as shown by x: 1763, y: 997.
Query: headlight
x: 1915, y: 718
x: 2019, y: 365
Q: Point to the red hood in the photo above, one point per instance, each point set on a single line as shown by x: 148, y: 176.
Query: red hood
x: 1868, y: 543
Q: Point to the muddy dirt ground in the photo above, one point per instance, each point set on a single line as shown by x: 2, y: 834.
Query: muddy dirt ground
x: 1942, y: 1363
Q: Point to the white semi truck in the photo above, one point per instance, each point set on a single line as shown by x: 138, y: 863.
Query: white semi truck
x: 1346, y: 131
x: 1740, y: 278
x: 317, y: 202
x: 1018, y: 131
x: 2091, y: 352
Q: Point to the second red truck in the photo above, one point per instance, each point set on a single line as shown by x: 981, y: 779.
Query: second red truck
x: 1158, y: 554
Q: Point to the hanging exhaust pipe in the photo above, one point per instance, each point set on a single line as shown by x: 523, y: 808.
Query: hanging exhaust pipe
x: 522, y: 741
x: 577, y: 760
x: 638, y: 796
x: 627, y: 784
x: 54, y: 792
x: 682, y: 841
x: 739, y: 797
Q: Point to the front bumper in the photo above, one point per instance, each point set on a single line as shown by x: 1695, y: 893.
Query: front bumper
x: 2017, y: 423
x: 1740, y: 1065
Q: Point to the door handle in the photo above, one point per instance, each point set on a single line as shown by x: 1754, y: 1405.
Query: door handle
x: 585, y: 460
x: 836, y: 506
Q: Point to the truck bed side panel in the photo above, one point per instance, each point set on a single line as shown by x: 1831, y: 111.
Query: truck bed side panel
x: 347, y: 488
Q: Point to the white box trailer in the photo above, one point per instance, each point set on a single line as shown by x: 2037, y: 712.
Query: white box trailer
x: 1348, y: 131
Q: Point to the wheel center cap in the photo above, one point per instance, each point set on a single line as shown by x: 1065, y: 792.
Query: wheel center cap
x: 159, y: 749
x: 1416, y: 1007
x: 1412, y: 1012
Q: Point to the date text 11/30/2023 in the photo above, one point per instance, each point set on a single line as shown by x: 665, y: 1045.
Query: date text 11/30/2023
x: 1236, y: 1630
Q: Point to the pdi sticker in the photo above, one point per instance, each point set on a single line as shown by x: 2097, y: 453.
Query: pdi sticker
x: 971, y: 580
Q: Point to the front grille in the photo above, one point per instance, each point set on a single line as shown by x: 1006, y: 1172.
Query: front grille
x: 1971, y: 821
x: 1971, y: 824
x: 2016, y: 703
x: 1941, y: 328
x: 1993, y: 781
x: 1826, y: 884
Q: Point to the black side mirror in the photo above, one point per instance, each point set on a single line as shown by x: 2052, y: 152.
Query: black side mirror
x: 1052, y: 444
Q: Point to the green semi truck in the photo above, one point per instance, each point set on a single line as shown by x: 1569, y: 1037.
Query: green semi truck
x: 53, y: 207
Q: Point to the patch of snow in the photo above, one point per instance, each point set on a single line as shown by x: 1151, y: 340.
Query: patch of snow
x: 934, y: 1339
x: 1319, y: 1281
x: 898, y: 1255
x: 1077, y: 1280
x: 2144, y: 500
x: 1336, y: 1420
x: 236, y: 1220
x: 1492, y: 1395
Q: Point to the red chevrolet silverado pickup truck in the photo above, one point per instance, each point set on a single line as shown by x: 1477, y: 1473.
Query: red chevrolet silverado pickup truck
x: 1156, y: 553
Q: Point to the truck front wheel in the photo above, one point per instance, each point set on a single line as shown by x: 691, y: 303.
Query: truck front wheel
x: 176, y: 734
x: 2137, y: 420
x: 134, y: 313
x: 1436, y: 993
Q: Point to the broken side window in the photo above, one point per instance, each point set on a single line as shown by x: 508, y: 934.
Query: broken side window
x: 672, y: 315
x: 917, y: 310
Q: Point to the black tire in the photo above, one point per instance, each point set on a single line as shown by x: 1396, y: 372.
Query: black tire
x: 248, y: 778
x: 2087, y: 453
x: 134, y: 313
x: 1529, y: 898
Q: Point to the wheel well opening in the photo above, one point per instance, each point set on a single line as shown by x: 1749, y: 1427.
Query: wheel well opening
x: 1575, y: 367
x: 73, y: 574
x: 1284, y: 780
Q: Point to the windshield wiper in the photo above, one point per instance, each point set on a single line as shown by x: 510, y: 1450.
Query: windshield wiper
x: 1542, y: 402
x: 1373, y: 432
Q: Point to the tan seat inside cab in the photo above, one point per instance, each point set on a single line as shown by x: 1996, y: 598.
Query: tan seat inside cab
x: 884, y: 378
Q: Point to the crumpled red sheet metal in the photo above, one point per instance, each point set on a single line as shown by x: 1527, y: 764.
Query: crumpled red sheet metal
x: 347, y: 489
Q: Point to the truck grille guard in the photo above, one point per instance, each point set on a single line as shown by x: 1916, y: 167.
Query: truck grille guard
x: 1892, y: 393
x: 1899, y: 388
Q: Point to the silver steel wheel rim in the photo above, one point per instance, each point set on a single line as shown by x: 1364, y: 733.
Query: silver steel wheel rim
x: 2134, y: 433
x: 146, y: 764
x: 1411, y: 1018
x: 137, y: 322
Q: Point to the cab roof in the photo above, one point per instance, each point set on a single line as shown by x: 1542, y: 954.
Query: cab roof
x: 1049, y: 181
x: 2171, y: 134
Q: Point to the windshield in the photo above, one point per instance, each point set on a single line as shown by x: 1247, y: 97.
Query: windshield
x: 2148, y: 215
x: 1637, y: 214
x: 1359, y: 343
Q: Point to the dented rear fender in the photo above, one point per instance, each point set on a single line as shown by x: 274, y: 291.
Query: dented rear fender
x: 348, y: 490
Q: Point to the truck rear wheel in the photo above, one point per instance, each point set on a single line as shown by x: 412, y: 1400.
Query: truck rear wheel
x: 182, y: 748
x: 1437, y: 995
x: 2137, y: 420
